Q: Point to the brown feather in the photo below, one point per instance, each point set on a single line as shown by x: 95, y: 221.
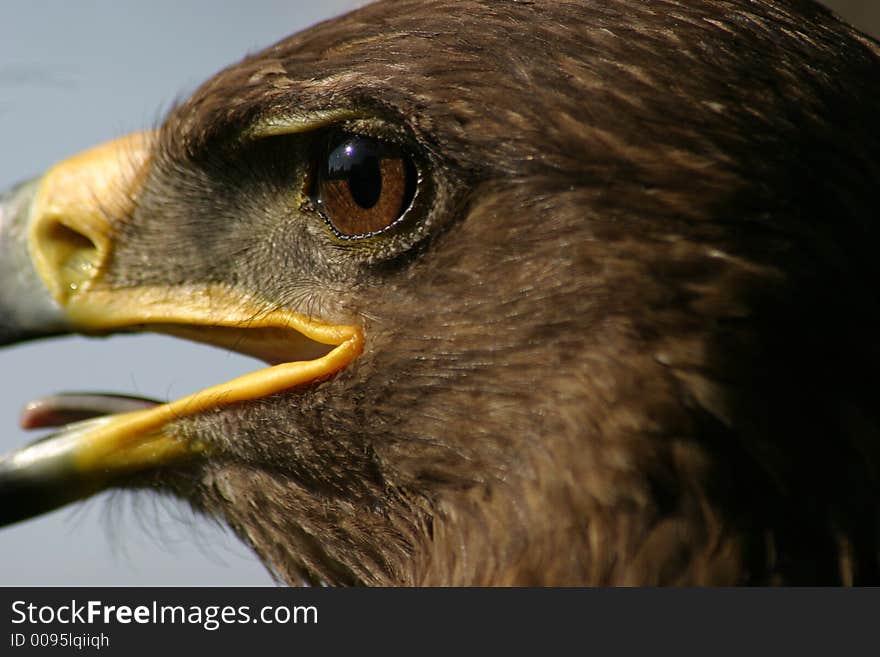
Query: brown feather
x: 636, y: 340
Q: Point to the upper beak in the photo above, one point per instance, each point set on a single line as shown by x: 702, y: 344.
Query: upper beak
x: 57, y: 239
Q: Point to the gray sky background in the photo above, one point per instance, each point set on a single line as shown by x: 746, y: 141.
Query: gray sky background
x: 74, y: 74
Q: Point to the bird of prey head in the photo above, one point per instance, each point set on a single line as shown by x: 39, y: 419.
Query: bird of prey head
x: 581, y: 292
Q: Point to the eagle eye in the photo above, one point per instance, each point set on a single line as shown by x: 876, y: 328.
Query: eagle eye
x: 364, y: 185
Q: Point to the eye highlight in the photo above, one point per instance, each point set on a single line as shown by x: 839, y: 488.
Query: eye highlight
x: 364, y: 185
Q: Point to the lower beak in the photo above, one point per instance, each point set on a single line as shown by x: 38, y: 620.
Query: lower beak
x: 56, y: 240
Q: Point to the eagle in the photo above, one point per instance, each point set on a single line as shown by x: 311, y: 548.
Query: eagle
x: 569, y: 293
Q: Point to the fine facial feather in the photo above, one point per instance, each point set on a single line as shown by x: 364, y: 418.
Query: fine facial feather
x: 626, y: 337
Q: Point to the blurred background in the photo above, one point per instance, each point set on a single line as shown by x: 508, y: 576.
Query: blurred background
x: 73, y: 74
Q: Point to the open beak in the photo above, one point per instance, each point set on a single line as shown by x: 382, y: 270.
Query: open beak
x: 56, y: 242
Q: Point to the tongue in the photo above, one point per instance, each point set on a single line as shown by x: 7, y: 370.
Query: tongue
x: 64, y: 408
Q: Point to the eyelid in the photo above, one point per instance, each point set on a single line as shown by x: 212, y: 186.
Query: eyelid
x: 293, y: 124
x: 389, y: 130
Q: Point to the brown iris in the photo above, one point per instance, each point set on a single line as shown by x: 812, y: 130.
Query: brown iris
x: 364, y: 186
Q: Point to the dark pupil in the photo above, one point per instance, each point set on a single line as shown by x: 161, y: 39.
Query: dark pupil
x: 357, y: 160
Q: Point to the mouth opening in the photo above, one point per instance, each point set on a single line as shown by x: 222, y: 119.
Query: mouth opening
x: 271, y: 345
x: 106, y: 438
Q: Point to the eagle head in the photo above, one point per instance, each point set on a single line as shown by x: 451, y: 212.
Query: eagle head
x: 545, y: 293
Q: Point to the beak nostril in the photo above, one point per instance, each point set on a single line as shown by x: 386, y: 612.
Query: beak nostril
x: 77, y: 201
x: 74, y: 239
x: 76, y: 256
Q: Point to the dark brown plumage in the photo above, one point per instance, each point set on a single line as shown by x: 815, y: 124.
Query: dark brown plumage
x: 626, y: 334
